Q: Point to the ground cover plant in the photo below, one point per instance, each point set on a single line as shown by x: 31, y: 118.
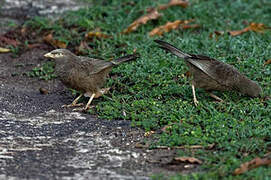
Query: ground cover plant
x: 154, y: 92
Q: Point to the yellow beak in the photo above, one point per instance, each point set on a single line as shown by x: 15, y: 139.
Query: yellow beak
x: 49, y: 55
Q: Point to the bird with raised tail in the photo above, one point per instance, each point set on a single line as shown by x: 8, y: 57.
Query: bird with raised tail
x: 213, y: 75
x: 84, y: 74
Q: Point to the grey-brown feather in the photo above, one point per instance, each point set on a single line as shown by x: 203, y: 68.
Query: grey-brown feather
x: 211, y: 74
x: 85, y: 74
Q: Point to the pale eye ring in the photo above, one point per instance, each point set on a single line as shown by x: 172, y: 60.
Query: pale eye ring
x: 57, y: 55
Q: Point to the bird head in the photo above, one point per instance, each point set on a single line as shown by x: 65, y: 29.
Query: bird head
x: 59, y: 54
x: 254, y: 89
x: 250, y: 88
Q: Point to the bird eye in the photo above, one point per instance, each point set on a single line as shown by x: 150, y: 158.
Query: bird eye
x: 58, y: 54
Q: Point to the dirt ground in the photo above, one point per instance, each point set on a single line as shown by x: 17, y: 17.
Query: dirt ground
x: 42, y: 140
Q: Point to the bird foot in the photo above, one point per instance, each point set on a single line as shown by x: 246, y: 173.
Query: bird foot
x: 83, y: 109
x: 72, y: 105
x: 78, y: 110
x: 196, y: 102
x: 218, y: 99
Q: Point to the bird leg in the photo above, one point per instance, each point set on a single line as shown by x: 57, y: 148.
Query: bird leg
x: 215, y: 97
x: 194, y: 95
x: 74, y: 103
x: 89, y: 102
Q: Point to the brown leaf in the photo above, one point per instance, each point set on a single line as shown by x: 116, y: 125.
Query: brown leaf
x: 43, y: 90
x: 166, y: 128
x: 188, y: 159
x: 254, y: 163
x: 9, y: 41
x: 256, y: 27
x: 238, y: 32
x: 153, y: 14
x: 267, y: 62
x: 188, y: 74
x: 172, y: 25
x: 4, y: 50
x: 82, y: 48
x: 36, y: 45
x: 192, y: 26
x: 181, y: 3
x: 54, y: 42
x: 216, y: 33
x: 96, y: 34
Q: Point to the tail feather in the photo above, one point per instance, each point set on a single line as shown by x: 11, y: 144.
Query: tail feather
x: 168, y: 47
x: 126, y: 58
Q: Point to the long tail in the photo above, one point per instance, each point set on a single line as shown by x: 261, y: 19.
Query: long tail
x: 125, y: 59
x: 168, y: 47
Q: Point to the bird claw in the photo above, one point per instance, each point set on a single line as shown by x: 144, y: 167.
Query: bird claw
x: 196, y: 102
x: 78, y: 110
x: 83, y: 109
x: 72, y: 105
x: 218, y: 99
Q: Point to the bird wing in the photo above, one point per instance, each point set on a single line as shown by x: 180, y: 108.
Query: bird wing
x: 94, y: 66
x: 84, y: 58
x: 224, y: 74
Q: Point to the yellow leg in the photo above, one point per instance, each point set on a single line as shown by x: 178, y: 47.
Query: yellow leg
x: 74, y: 103
x: 215, y: 97
x: 194, y: 95
x: 89, y: 101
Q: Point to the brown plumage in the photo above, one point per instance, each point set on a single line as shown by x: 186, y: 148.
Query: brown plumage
x: 211, y: 74
x: 84, y: 74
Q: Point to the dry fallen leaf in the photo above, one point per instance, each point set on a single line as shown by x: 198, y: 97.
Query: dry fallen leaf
x: 188, y: 159
x: 153, y: 14
x: 238, y: 32
x: 181, y: 3
x: 216, y: 33
x: 9, y: 41
x: 54, y: 42
x: 4, y: 50
x: 43, y: 90
x: 172, y: 25
x: 190, y: 26
x: 82, y: 48
x: 256, y: 27
x: 187, y: 74
x: 166, y: 128
x: 254, y: 163
x: 267, y: 62
x: 97, y: 35
x: 37, y: 45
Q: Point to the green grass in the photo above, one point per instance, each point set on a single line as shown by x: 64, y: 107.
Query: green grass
x: 153, y: 93
x: 45, y: 72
